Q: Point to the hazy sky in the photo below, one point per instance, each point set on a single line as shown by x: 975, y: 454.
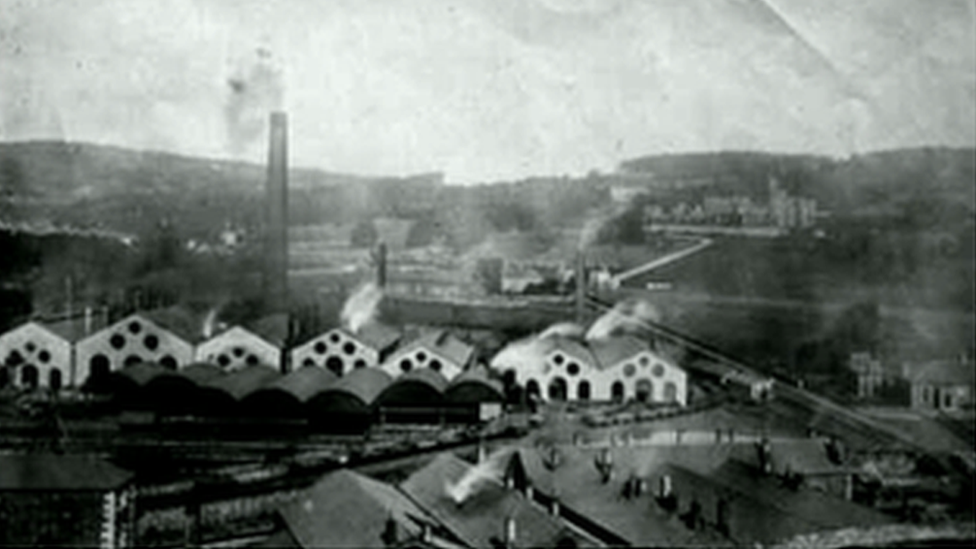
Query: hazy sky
x: 490, y: 89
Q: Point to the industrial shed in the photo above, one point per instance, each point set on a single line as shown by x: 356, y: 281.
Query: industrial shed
x: 133, y: 387
x: 36, y: 356
x: 474, y: 386
x: 437, y: 350
x: 415, y: 397
x: 341, y: 350
x: 237, y: 348
x: 287, y: 396
x: 221, y: 395
x: 348, y: 403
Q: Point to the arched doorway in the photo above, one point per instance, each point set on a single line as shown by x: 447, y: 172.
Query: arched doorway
x: 670, y: 392
x: 168, y: 362
x: 617, y: 393
x: 644, y: 390
x: 532, y: 389
x: 558, y: 389
x: 54, y: 379
x: 335, y: 364
x: 29, y: 376
x: 583, y: 390
x: 99, y: 366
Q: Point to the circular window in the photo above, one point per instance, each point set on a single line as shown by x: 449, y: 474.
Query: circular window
x: 436, y: 365
x: 223, y: 360
x: 30, y: 347
x: 321, y: 347
x: 251, y: 360
x: 559, y: 359
x: 658, y: 370
x: 44, y: 356
x: 132, y: 360
x: 644, y: 361
x: 135, y: 327
x: 573, y: 368
x: 238, y: 351
x: 308, y: 363
x: 151, y: 342
x: 349, y: 348
x: 406, y: 365
x: 421, y: 356
x: 359, y: 364
x: 334, y: 338
x: 117, y: 341
x: 168, y: 362
x: 629, y: 370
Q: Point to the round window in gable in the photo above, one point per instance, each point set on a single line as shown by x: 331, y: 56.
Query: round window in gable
x: 44, y: 356
x: 658, y: 370
x: 223, y: 361
x: 629, y: 370
x: 334, y: 338
x: 151, y: 342
x: 238, y: 351
x: 135, y: 327
x: 436, y: 365
x: 308, y: 363
x: 573, y: 369
x: 359, y: 364
x: 132, y: 360
x: 349, y: 348
x: 168, y: 362
x: 321, y: 347
x: 117, y: 341
x: 251, y: 360
x: 644, y: 361
x: 559, y: 359
x: 421, y: 356
x: 406, y: 365
x: 30, y: 347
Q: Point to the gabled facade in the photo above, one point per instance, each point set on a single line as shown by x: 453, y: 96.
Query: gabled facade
x: 236, y: 348
x: 640, y: 373
x: 340, y: 350
x: 130, y: 341
x: 438, y: 350
x: 35, y: 356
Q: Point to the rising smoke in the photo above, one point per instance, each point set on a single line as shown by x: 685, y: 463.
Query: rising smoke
x: 255, y: 88
x: 563, y: 329
x: 362, y: 307
x: 626, y: 317
x: 490, y: 470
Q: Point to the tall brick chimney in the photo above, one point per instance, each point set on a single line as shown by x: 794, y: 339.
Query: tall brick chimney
x: 276, y: 216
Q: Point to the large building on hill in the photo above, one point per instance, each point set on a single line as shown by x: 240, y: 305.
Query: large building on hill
x: 614, y: 369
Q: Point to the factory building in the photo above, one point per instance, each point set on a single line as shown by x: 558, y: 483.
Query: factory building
x: 238, y: 347
x: 615, y: 369
x: 341, y: 350
x: 437, y: 350
x: 166, y: 337
x: 35, y: 356
x: 50, y: 500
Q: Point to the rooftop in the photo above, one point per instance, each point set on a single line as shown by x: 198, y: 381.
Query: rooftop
x: 443, y: 343
x: 59, y: 472
x: 945, y: 372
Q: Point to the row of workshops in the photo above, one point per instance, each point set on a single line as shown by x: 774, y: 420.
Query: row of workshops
x: 72, y: 353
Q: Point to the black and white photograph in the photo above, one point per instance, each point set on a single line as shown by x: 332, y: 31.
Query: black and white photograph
x: 500, y: 274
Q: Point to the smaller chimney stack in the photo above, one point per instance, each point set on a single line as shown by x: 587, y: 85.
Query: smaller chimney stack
x: 88, y: 321
x: 381, y: 254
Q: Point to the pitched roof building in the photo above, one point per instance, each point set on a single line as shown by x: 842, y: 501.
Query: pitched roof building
x: 438, y: 350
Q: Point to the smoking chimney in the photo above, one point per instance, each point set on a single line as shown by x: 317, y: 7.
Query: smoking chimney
x: 580, y: 287
x: 276, y: 216
x: 381, y: 253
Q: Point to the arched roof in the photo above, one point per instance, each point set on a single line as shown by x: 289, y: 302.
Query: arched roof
x: 365, y: 384
x: 420, y: 386
x: 144, y: 372
x: 475, y: 385
x: 242, y: 382
x: 305, y: 382
x: 201, y: 372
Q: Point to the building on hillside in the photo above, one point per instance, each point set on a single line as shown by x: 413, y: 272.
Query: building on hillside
x: 64, y: 501
x: 238, y: 347
x: 615, y: 369
x: 347, y: 509
x: 341, y: 350
x: 945, y: 385
x: 166, y: 337
x: 438, y: 350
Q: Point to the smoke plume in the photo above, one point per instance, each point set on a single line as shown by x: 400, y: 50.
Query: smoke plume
x: 362, y: 307
x: 563, y: 329
x: 210, y: 323
x: 255, y: 89
x: 490, y: 470
x: 626, y: 317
